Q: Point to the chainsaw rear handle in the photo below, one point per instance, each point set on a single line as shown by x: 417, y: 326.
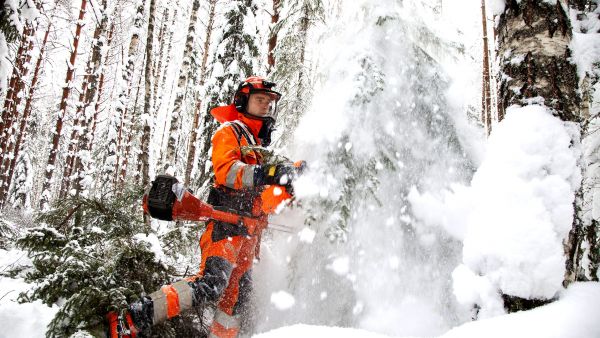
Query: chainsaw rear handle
x: 162, y: 203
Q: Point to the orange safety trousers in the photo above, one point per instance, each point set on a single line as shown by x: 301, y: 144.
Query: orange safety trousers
x: 227, y: 256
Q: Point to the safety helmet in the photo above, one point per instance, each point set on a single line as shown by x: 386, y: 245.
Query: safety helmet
x: 253, y: 85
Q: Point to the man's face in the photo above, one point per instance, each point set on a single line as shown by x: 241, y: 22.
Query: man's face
x: 259, y: 104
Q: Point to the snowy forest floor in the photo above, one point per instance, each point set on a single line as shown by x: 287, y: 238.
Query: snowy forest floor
x: 574, y: 315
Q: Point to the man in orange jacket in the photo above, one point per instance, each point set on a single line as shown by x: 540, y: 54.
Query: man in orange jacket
x: 244, y: 185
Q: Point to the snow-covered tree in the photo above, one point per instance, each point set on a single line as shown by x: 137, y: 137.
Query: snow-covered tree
x: 533, y: 46
x: 181, y: 90
x: 93, y: 255
x: 292, y: 68
x: 233, y: 61
x: 51, y: 165
x: 379, y: 127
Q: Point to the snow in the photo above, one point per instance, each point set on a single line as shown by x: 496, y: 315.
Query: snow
x: 586, y: 51
x: 513, y: 217
x: 496, y: 7
x: 153, y: 244
x: 282, y: 300
x: 340, y: 265
x: 307, y: 235
x: 20, y: 320
x: 573, y: 316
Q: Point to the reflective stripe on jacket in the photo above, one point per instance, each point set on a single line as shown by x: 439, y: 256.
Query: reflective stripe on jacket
x: 231, y: 168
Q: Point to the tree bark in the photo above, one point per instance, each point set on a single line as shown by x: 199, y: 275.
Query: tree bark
x: 486, y: 93
x: 12, y: 103
x: 158, y: 63
x: 123, y: 173
x: 8, y: 174
x: 13, y: 84
x: 273, y: 35
x: 95, y: 74
x: 182, y: 82
x: 44, y: 201
x: 198, y: 106
x: 100, y: 91
x: 145, y: 119
x: 158, y: 98
x: 86, y: 96
x: 537, y: 34
x: 110, y: 166
x: 533, y: 40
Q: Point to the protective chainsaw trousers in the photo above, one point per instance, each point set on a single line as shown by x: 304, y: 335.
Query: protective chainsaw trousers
x: 225, y: 279
x: 227, y: 258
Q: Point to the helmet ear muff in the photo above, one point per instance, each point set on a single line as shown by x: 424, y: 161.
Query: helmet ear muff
x: 241, y: 102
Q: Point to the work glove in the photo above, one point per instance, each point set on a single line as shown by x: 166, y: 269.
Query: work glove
x: 280, y: 174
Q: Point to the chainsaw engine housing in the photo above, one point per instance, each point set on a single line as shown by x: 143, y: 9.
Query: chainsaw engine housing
x: 161, y: 198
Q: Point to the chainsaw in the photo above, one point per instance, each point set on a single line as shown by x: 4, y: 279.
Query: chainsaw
x: 169, y: 200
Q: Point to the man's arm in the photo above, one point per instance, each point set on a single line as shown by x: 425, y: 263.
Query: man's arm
x: 230, y: 171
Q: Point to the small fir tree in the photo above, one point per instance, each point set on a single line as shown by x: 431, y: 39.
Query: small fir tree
x: 90, y: 254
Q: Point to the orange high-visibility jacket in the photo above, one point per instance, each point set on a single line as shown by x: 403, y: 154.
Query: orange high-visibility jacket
x: 234, y: 169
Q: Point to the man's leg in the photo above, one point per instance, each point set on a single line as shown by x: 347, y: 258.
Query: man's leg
x: 220, y: 245
x: 233, y: 307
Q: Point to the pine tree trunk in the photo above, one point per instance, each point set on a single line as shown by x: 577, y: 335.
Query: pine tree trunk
x: 13, y: 85
x: 273, y: 35
x: 44, y: 201
x: 533, y: 38
x: 145, y: 119
x: 8, y: 175
x: 182, y: 82
x: 194, y: 134
x: 7, y: 141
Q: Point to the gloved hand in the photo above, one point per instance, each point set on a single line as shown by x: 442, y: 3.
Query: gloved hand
x: 279, y: 174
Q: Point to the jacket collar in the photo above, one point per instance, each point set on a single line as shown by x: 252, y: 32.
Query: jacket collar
x: 253, y: 124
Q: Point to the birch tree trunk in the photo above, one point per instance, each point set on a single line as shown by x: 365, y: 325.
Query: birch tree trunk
x: 91, y: 134
x: 158, y: 101
x: 131, y: 133
x: 539, y: 33
x: 45, y: 198
x: 198, y: 107
x: 109, y: 169
x: 486, y: 113
x: 184, y: 74
x: 584, y: 244
x: 534, y: 37
x: 157, y: 69
x: 145, y: 118
x: 95, y: 75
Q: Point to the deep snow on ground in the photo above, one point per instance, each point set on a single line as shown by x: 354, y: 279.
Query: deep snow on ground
x: 20, y: 320
x: 575, y: 315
